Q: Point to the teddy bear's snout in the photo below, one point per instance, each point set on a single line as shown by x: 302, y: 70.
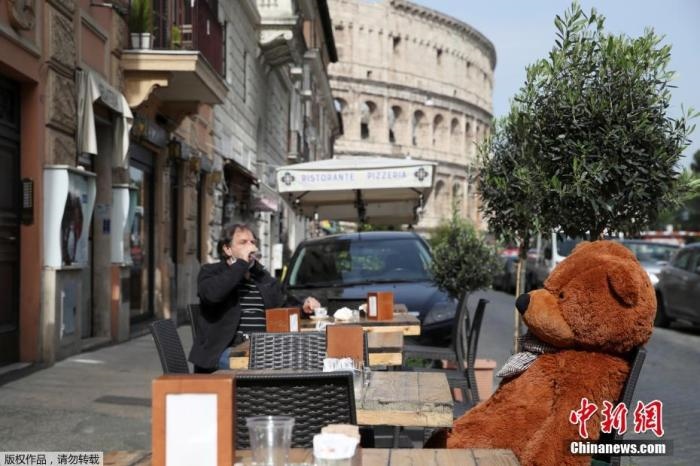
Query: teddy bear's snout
x: 522, y: 303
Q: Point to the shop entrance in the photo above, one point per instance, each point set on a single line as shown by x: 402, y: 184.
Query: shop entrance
x: 9, y: 220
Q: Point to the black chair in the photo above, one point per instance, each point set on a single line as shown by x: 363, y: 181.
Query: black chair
x: 637, y: 357
x: 293, y: 350
x: 193, y: 315
x: 169, y: 346
x: 314, y: 399
x: 461, y: 352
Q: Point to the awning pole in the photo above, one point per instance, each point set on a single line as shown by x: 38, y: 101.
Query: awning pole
x: 360, y: 206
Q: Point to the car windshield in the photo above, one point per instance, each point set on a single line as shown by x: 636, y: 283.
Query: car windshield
x: 353, y: 262
x: 652, y: 252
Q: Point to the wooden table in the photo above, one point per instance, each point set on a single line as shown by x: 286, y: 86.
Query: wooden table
x: 365, y: 457
x: 407, y: 399
x: 408, y: 324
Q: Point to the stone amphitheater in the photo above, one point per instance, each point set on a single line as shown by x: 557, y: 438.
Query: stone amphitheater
x: 411, y: 81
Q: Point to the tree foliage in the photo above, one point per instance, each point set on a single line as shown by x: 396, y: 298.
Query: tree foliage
x: 462, y: 261
x: 588, y: 144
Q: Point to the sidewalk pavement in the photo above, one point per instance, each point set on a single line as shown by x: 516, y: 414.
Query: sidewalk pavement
x: 93, y: 401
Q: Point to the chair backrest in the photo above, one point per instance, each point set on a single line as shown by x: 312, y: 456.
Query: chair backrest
x: 636, y: 358
x: 314, y: 399
x: 193, y: 315
x: 472, y: 343
x: 460, y: 329
x: 169, y: 346
x: 293, y: 350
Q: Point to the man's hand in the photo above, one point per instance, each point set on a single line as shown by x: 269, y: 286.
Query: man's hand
x: 245, y: 252
x: 310, y: 304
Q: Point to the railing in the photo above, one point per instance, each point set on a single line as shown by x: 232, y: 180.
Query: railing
x: 197, y: 26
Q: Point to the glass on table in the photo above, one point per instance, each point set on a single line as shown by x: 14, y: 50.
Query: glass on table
x: 270, y: 439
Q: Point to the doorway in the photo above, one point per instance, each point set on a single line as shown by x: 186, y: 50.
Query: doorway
x: 9, y: 220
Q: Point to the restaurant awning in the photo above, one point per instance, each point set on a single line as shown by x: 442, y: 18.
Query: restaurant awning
x: 376, y: 190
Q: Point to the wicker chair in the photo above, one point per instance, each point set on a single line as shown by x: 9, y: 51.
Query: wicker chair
x: 637, y: 357
x: 462, y: 352
x: 169, y: 346
x: 193, y: 314
x: 293, y: 350
x: 314, y: 399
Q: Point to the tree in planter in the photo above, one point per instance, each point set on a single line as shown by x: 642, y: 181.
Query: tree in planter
x: 603, y: 152
x: 462, y: 261
x: 587, y: 145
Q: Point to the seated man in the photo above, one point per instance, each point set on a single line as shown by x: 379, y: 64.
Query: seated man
x: 234, y: 294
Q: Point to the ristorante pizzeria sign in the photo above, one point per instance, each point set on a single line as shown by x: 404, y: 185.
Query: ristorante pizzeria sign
x: 365, y: 178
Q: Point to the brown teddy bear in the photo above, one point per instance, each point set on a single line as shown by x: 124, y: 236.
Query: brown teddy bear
x: 595, y: 307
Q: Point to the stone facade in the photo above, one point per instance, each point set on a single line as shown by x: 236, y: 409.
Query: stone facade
x: 412, y: 82
x: 279, y: 110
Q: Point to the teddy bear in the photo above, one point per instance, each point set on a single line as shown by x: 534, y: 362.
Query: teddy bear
x: 596, y: 306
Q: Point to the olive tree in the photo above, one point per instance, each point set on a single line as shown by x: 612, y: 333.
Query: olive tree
x: 604, y: 150
x: 588, y: 144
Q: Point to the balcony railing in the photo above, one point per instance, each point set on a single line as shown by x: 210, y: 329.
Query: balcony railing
x: 198, y: 26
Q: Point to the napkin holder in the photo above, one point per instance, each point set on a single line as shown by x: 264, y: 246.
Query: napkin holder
x: 193, y: 420
x: 380, y: 305
x: 282, y: 319
x: 345, y: 341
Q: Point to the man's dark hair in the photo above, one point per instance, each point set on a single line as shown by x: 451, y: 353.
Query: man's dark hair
x: 227, y: 233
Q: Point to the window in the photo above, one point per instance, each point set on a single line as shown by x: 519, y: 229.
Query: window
x: 396, y: 40
x: 417, y: 127
x: 394, y: 115
x: 682, y: 260
x: 345, y: 262
x: 366, y: 111
x: 439, y: 56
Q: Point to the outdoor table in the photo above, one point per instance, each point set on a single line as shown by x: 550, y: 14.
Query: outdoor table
x: 365, y: 457
x: 403, y: 322
x: 406, y: 399
x: 401, y: 399
x: 384, y: 349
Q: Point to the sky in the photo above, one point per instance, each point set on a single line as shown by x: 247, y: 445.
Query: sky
x: 523, y: 32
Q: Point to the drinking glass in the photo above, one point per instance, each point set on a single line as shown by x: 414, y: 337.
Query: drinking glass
x: 270, y: 438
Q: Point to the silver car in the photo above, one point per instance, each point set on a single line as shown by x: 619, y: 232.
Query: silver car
x: 678, y: 290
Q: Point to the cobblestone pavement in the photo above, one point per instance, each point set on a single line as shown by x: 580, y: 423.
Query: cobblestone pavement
x: 100, y: 400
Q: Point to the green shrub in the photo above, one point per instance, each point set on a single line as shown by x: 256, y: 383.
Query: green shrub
x: 462, y: 261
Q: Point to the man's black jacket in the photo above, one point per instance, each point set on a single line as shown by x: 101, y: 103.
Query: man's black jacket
x: 220, y: 309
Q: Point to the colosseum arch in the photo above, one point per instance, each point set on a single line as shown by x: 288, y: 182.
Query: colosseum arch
x: 368, y: 111
x: 396, y: 124
x: 439, y: 132
x: 419, y: 129
x: 439, y: 202
x: 456, y: 136
x: 468, y: 139
x: 458, y: 196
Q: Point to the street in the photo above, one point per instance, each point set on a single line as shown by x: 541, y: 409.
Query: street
x: 101, y: 400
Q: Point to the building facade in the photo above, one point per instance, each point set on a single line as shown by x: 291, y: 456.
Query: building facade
x: 121, y: 152
x: 413, y: 82
x: 279, y: 111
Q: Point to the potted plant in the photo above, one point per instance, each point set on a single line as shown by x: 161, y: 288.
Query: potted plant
x: 141, y: 24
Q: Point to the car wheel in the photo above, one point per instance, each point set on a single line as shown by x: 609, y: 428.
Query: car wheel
x: 661, y: 319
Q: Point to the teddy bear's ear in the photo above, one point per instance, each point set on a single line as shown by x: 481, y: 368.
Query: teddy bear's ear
x: 623, y: 284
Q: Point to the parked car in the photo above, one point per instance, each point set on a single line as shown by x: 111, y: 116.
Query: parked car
x: 653, y: 256
x: 678, y: 289
x: 341, y: 269
x: 551, y: 249
x: 505, y: 280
